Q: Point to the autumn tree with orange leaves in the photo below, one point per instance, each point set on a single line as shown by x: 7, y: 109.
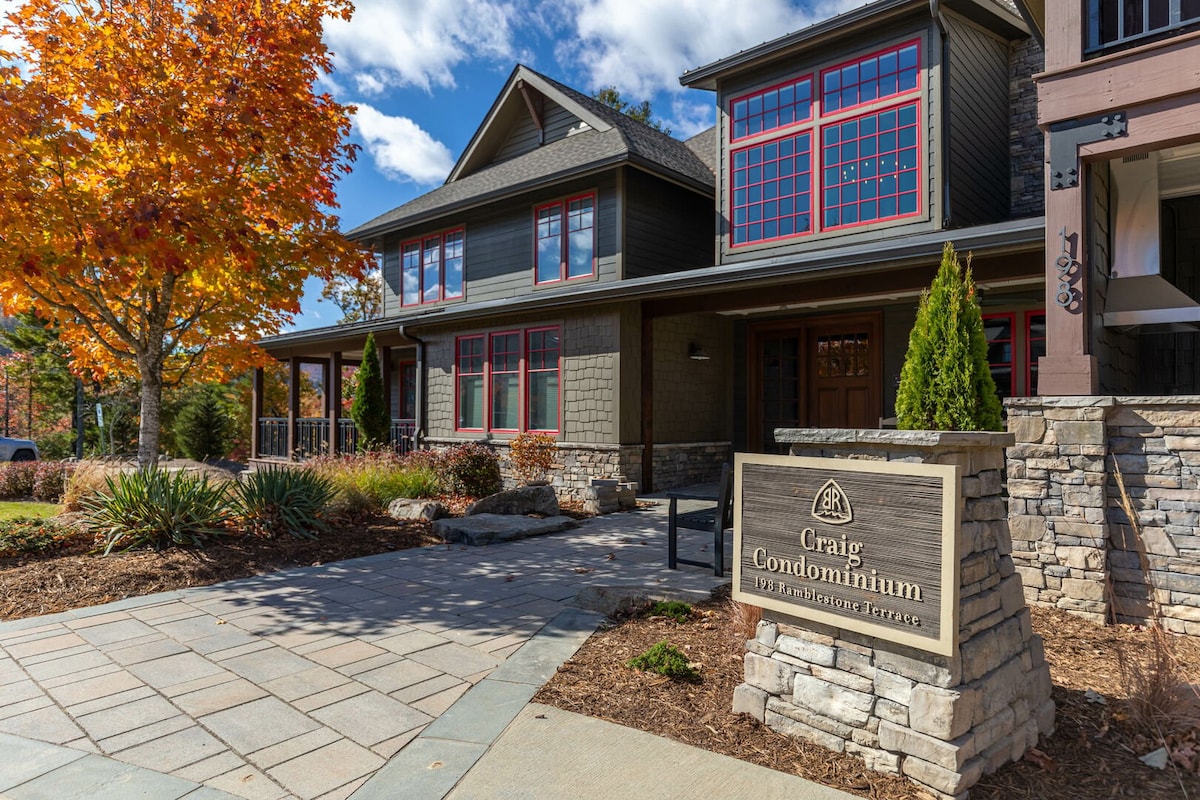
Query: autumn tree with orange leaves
x: 166, y: 170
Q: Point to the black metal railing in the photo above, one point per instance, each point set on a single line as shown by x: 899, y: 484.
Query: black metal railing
x: 312, y: 436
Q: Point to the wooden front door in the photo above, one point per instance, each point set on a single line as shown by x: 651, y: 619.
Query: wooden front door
x: 819, y: 373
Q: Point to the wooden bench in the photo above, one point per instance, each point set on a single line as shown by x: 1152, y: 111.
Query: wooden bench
x: 714, y: 519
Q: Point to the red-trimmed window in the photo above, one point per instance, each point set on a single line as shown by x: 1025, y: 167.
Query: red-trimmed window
x: 514, y: 366
x: 777, y: 107
x: 848, y: 156
x: 469, y: 402
x: 871, y: 167
x: 541, y: 370
x: 1000, y: 330
x: 1035, y: 342
x: 1013, y: 351
x: 506, y: 381
x: 876, y: 77
x: 772, y: 189
x: 431, y: 268
x: 564, y: 254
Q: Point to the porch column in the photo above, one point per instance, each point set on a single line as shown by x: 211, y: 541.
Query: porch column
x: 293, y: 405
x: 1068, y: 368
x: 256, y: 408
x: 386, y: 373
x: 335, y: 400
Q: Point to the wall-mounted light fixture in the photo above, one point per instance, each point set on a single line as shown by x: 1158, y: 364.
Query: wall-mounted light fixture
x: 697, y: 353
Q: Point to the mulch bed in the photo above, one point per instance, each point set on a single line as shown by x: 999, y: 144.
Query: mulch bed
x: 1093, y: 754
x: 76, y: 577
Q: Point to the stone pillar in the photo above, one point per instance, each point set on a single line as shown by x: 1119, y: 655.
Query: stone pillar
x: 1058, y: 499
x: 942, y: 721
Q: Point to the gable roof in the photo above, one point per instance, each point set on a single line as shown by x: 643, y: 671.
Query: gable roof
x: 1001, y: 15
x: 609, y: 138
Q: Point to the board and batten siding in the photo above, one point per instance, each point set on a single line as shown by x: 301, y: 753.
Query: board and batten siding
x: 980, y: 180
x: 917, y: 26
x: 667, y: 228
x: 557, y: 123
x: 500, y: 245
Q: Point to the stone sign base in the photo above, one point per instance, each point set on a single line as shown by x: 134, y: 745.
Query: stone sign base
x: 943, y: 722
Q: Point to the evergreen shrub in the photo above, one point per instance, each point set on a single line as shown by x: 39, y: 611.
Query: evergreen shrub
x: 946, y: 383
x: 204, y: 427
x: 368, y: 410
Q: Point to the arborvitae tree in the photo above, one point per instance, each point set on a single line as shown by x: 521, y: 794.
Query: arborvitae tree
x: 946, y: 383
x: 368, y: 410
x: 204, y: 427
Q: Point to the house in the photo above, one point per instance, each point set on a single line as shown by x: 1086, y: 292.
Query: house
x: 763, y: 274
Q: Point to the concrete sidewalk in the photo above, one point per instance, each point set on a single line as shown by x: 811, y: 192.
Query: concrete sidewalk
x: 397, y: 675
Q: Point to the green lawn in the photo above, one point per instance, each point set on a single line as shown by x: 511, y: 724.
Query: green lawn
x: 24, y: 510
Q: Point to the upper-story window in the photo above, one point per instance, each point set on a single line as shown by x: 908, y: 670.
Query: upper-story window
x: 566, y: 240
x: 863, y: 127
x: 431, y: 268
x: 1114, y: 23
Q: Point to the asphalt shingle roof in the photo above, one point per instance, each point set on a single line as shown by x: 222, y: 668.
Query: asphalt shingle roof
x: 626, y: 139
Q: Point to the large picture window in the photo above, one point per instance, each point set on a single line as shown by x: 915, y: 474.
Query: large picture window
x: 520, y: 370
x: 566, y: 240
x: 431, y: 268
x: 848, y: 156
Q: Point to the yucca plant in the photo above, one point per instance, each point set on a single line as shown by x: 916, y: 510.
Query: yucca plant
x: 275, y: 501
x: 156, y: 508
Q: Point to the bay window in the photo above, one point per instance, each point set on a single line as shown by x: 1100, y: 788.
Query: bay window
x: 520, y: 370
x: 805, y: 162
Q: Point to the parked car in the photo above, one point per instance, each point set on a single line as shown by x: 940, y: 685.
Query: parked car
x: 17, y: 449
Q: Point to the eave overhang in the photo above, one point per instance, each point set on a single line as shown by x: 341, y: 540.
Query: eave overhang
x: 1017, y: 236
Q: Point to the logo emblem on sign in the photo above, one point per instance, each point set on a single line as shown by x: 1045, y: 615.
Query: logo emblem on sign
x: 831, y: 504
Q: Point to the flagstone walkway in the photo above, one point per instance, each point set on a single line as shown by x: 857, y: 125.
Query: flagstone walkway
x: 304, y: 684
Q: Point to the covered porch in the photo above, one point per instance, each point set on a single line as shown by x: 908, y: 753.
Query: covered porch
x: 310, y: 416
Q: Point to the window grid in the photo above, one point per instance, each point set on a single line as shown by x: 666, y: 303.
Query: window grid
x: 876, y: 77
x: 542, y: 368
x: 505, y: 381
x: 469, y: 399
x: 496, y: 361
x: 871, y: 168
x: 1002, y: 351
x: 565, y: 255
x: 772, y: 190
x: 432, y: 268
x: 1112, y: 23
x: 866, y: 170
x: 776, y: 107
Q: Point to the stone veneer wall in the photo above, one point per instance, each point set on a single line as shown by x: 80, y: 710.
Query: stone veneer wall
x: 1026, y: 153
x: 688, y: 463
x: 1072, y: 540
x: 941, y: 721
x: 576, y: 465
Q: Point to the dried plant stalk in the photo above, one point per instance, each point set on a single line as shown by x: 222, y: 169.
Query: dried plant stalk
x: 745, y: 619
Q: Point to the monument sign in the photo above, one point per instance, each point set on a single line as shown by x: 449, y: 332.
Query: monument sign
x: 867, y: 546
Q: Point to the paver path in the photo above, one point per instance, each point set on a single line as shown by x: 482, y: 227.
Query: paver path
x: 305, y: 683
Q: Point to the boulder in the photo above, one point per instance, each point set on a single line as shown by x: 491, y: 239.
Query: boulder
x: 407, y: 508
x: 484, y: 529
x: 525, y: 500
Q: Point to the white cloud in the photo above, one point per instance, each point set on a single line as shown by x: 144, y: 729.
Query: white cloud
x: 401, y: 149
x: 643, y: 46
x: 688, y: 117
x: 397, y: 43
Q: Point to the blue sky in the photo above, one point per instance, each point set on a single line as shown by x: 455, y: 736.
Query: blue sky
x: 424, y: 72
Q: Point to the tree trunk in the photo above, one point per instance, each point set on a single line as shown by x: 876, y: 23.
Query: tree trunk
x: 150, y: 368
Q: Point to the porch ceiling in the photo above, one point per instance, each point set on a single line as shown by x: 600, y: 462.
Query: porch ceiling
x: 324, y: 342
